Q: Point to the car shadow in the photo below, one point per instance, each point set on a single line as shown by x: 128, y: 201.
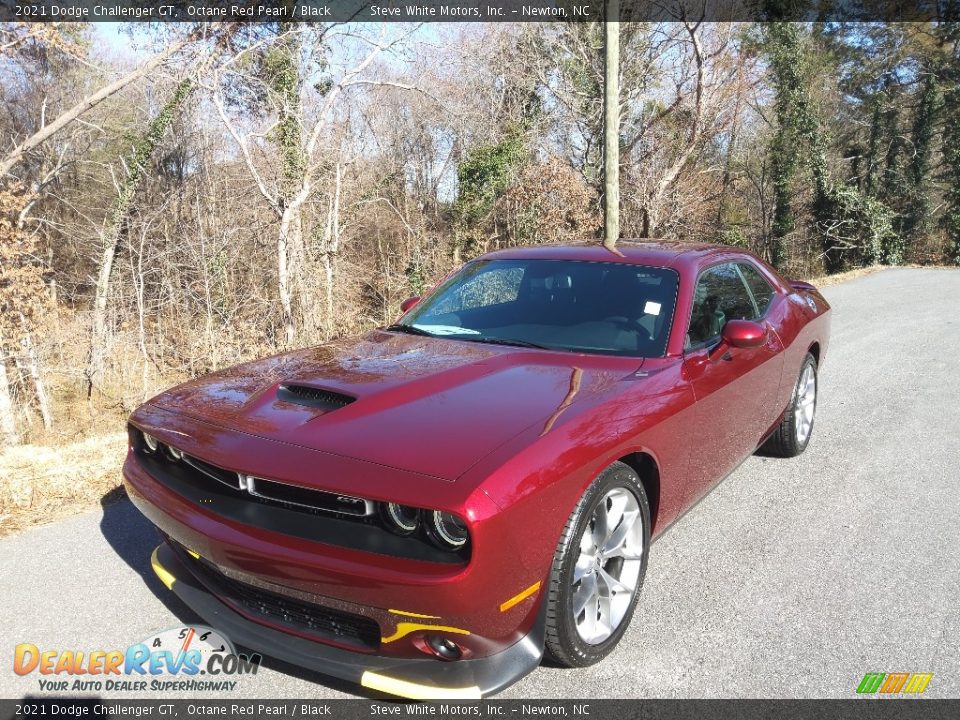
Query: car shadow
x: 132, y: 537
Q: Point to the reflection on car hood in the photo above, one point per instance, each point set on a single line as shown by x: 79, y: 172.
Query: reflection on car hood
x: 433, y: 406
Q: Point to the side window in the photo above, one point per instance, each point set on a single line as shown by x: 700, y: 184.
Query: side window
x: 759, y: 287
x: 720, y: 296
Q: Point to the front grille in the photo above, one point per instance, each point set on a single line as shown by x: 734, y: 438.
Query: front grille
x: 316, y: 515
x: 313, y: 397
x: 324, y: 623
x: 205, y: 476
x: 212, y: 471
x: 306, y: 498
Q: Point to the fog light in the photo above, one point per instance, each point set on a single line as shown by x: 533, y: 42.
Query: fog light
x: 443, y: 648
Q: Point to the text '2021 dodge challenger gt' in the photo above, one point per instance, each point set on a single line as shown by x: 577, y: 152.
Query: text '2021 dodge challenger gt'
x: 428, y: 508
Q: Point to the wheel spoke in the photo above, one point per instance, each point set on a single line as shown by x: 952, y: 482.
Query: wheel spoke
x: 619, y: 535
x: 604, y: 625
x: 617, y: 506
x: 600, y: 528
x: 585, y: 565
x: 592, y: 619
x: 623, y: 552
x: 618, y: 609
x: 612, y: 584
x: 587, y: 546
x: 583, y: 595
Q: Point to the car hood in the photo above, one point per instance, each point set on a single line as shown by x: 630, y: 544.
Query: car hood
x: 427, y: 405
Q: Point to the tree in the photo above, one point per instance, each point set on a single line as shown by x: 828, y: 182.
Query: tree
x: 135, y: 165
x: 949, y: 34
x: 47, y: 130
x: 611, y: 126
x: 482, y: 178
x: 299, y: 130
x: 916, y: 214
x: 789, y: 70
x: 23, y: 302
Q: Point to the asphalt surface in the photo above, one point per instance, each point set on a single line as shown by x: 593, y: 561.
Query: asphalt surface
x: 792, y: 579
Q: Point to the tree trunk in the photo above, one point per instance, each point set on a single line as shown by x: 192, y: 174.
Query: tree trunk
x: 8, y: 421
x: 286, y: 80
x: 917, y: 216
x: 328, y: 290
x: 329, y: 250
x: 289, y: 223
x: 40, y: 390
x: 98, y: 333
x: 611, y: 127
x: 951, y: 157
x: 110, y: 237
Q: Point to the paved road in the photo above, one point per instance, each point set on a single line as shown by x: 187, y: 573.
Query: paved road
x: 792, y: 579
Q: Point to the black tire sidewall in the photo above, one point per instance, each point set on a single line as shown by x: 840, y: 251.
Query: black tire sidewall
x: 565, y: 643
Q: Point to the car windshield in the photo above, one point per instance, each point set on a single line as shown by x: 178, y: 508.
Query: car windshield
x: 594, y: 307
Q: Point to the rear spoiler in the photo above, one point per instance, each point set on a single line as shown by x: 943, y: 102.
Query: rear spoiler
x: 802, y: 286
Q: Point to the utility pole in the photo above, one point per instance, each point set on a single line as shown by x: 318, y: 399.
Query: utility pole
x: 611, y: 126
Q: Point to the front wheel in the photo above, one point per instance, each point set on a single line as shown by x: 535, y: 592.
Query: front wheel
x: 793, y: 434
x: 598, y: 569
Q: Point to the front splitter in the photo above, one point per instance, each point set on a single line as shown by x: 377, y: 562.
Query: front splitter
x: 411, y: 678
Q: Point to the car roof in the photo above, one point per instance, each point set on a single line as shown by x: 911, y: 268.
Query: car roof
x: 657, y: 253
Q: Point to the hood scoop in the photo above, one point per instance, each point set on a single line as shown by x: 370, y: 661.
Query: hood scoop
x: 313, y: 397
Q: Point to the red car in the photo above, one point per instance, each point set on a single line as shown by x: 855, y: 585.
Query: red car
x: 426, y: 509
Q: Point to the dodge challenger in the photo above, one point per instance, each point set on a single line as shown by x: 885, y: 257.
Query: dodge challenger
x: 428, y: 509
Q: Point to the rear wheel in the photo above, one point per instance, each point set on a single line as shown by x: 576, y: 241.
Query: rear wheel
x: 793, y: 434
x: 598, y: 569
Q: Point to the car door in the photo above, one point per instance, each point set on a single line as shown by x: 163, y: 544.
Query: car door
x: 735, y: 388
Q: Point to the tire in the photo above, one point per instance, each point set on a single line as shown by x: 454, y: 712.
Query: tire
x: 571, y: 639
x: 793, y: 433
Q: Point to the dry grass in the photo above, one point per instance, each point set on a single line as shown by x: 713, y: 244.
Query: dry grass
x: 39, y: 484
x: 827, y: 280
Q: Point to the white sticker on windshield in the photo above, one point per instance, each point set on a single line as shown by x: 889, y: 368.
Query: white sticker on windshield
x: 651, y: 308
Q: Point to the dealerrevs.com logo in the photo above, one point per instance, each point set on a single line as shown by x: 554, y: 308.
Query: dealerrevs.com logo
x: 182, y: 659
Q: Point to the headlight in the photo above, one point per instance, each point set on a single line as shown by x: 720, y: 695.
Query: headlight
x: 174, y: 453
x: 402, y: 519
x: 447, y: 530
x: 150, y: 442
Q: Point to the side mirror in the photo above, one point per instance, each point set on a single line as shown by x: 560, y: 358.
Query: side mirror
x: 744, y: 333
x: 409, y: 303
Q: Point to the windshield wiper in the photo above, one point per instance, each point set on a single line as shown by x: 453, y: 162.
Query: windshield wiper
x: 409, y: 329
x: 508, y: 341
x: 414, y: 330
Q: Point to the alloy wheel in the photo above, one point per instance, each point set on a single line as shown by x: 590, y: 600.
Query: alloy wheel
x: 806, y: 404
x: 607, y: 571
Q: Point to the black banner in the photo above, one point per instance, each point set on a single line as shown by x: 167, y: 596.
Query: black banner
x: 100, y: 709
x: 468, y: 10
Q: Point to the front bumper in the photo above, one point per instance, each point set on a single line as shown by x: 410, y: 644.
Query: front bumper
x: 420, y: 679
